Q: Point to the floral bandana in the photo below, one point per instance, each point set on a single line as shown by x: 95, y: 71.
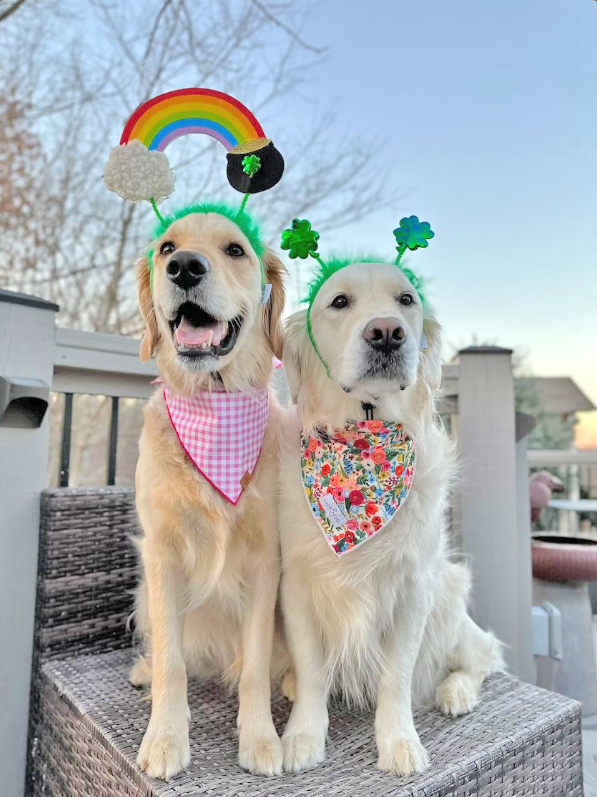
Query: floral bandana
x: 222, y: 434
x: 356, y: 479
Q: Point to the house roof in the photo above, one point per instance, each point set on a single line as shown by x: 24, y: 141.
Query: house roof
x: 560, y: 395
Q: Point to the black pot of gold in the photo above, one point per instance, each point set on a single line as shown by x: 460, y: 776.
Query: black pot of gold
x: 254, y: 166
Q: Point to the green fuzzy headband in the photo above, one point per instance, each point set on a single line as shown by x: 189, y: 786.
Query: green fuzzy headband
x: 241, y: 218
x: 301, y: 241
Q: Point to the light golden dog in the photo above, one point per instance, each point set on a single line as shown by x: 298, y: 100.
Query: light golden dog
x: 206, y: 602
x: 388, y: 622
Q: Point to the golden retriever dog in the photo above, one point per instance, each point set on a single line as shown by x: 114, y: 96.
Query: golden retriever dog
x: 206, y: 602
x: 386, y: 623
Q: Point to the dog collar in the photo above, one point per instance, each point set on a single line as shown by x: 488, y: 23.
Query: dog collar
x: 222, y: 434
x: 356, y: 479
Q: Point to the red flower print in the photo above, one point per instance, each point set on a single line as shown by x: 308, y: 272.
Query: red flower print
x: 376, y: 520
x: 339, y: 494
x: 366, y: 454
x: 356, y: 497
x: 335, y: 480
x: 366, y: 527
x: 374, y: 426
x: 352, y: 524
x: 313, y: 444
x: 399, y: 470
x: 350, y: 538
x: 362, y: 424
x: 385, y: 465
x: 361, y: 443
x: 371, y: 509
x: 378, y: 456
x: 326, y: 468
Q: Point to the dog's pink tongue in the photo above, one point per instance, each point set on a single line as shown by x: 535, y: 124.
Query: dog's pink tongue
x: 188, y: 335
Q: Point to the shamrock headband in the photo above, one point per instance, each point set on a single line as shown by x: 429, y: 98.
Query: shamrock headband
x: 139, y: 170
x: 301, y: 241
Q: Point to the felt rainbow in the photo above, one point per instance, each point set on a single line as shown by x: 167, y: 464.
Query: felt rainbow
x: 177, y: 113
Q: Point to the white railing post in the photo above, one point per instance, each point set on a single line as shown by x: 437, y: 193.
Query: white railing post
x: 489, y: 512
x: 26, y: 364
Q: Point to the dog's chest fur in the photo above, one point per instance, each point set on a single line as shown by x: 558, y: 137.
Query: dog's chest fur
x: 357, y: 597
x: 215, y: 540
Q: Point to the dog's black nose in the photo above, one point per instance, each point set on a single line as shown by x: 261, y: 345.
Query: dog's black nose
x: 385, y: 334
x: 185, y: 269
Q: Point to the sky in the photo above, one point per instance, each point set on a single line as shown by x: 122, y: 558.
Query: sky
x: 485, y: 115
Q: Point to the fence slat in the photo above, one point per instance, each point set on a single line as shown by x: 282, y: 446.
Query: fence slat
x: 113, y: 443
x: 67, y: 428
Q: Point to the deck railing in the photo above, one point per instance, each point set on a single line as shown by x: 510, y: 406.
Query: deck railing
x: 490, y: 509
x: 575, y: 511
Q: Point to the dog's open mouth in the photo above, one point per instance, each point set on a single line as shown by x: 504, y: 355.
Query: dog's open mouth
x: 196, y: 333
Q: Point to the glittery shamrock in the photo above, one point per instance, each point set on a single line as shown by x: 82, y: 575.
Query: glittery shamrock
x: 251, y: 164
x: 300, y: 240
x: 412, y: 234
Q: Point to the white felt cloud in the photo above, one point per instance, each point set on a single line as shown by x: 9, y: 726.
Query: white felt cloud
x: 135, y: 173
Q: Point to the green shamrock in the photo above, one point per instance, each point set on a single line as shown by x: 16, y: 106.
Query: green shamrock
x: 251, y: 164
x: 412, y: 234
x: 300, y: 239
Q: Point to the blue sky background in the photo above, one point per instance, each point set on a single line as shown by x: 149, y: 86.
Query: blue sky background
x: 487, y: 116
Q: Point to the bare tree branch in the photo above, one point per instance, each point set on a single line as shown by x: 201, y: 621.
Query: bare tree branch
x: 6, y: 13
x: 293, y: 34
x: 75, y: 242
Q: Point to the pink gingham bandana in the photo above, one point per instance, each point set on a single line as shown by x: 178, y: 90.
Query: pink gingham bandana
x: 222, y: 434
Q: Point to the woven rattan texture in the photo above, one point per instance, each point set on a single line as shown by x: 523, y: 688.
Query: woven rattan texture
x: 87, y: 569
x: 520, y: 741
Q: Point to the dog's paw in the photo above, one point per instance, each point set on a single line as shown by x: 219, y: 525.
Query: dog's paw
x: 303, y: 751
x: 289, y: 686
x: 165, y: 750
x: 405, y: 756
x: 456, y: 695
x: 260, y: 754
x: 140, y: 673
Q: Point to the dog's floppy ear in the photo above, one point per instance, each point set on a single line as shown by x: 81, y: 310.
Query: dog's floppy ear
x: 151, y: 334
x: 293, y: 346
x: 272, y: 318
x: 430, y: 367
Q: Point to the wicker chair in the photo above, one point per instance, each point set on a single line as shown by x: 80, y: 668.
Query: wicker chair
x: 87, y: 721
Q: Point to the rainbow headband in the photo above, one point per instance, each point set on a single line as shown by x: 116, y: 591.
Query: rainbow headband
x: 301, y: 241
x: 138, y: 169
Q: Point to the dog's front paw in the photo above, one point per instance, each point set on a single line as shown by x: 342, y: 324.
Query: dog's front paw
x: 165, y: 749
x: 303, y: 751
x: 140, y: 672
x: 456, y: 695
x: 261, y: 753
x: 403, y: 756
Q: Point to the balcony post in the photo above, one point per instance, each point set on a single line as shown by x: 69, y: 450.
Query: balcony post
x: 27, y: 339
x: 491, y: 532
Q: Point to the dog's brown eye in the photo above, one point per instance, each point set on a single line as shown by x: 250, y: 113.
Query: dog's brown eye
x: 406, y: 299
x: 340, y: 301
x: 235, y: 250
x: 167, y: 248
